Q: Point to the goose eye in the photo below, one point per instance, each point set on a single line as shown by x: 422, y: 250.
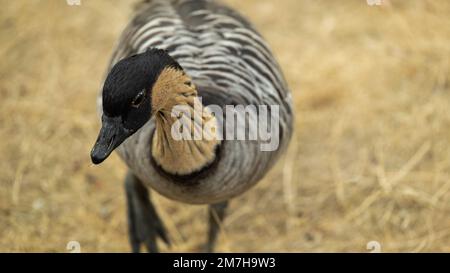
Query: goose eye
x: 137, y: 101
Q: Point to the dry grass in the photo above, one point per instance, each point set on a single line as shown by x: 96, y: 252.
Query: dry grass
x: 370, y: 158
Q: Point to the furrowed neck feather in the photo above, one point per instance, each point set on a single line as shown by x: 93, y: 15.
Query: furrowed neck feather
x: 174, y: 88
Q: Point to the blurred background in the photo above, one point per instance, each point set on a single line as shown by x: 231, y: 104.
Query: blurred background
x: 369, y: 160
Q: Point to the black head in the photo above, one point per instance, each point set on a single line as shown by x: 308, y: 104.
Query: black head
x: 127, y: 99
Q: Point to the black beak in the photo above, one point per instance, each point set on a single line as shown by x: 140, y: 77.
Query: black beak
x: 111, y: 135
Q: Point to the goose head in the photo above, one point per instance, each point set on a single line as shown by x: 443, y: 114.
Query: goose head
x: 127, y: 98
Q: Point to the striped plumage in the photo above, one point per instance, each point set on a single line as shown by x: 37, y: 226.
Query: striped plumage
x: 230, y: 64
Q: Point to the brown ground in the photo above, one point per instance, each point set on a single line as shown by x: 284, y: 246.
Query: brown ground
x: 369, y: 160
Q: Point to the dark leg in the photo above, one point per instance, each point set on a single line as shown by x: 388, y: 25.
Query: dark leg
x: 144, y: 224
x: 216, y: 214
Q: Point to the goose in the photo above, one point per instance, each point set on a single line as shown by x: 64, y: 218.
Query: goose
x: 190, y: 53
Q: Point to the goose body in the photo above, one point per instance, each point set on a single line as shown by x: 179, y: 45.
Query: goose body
x: 229, y: 63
